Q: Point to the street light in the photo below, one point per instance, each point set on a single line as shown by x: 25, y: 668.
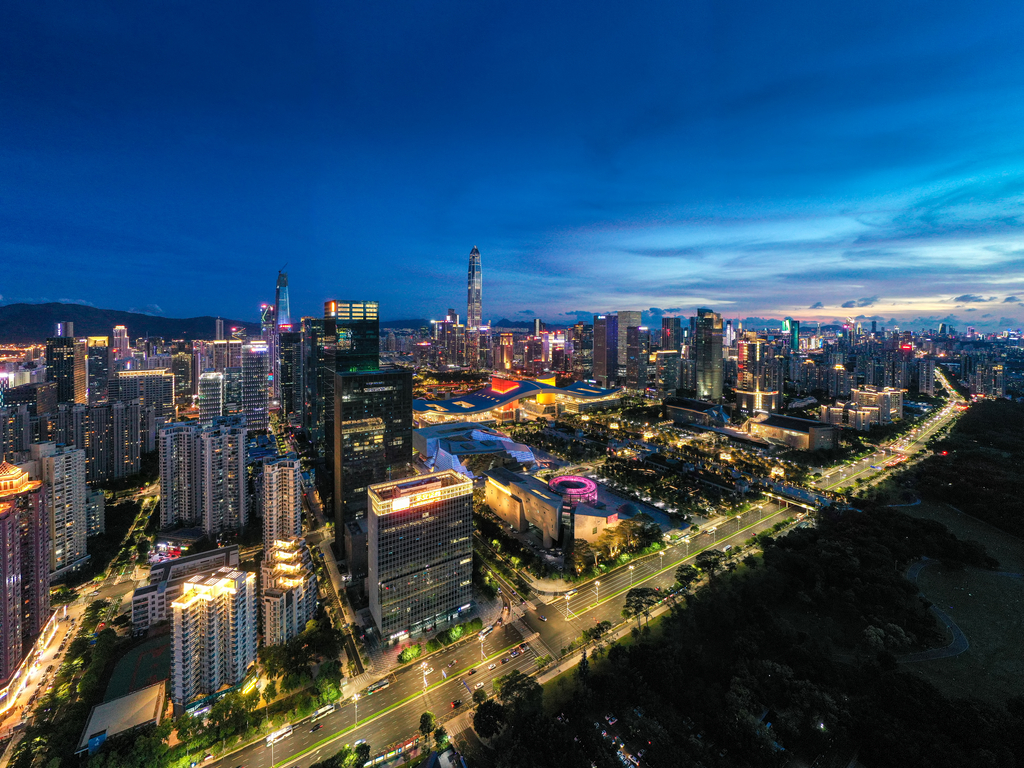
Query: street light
x: 631, y: 575
x: 597, y: 587
x: 481, y: 647
x: 356, y: 700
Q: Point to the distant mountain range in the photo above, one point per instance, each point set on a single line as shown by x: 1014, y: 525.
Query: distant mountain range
x: 26, y: 323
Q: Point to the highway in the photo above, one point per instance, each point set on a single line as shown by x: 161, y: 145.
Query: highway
x: 391, y: 716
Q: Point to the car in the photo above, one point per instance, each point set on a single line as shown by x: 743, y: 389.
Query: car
x: 478, y: 685
x: 316, y: 727
x: 452, y: 663
x: 514, y: 654
x: 523, y: 646
x: 604, y: 734
x: 491, y: 666
x: 613, y: 721
x: 541, y: 617
x: 609, y: 718
x: 361, y: 741
x: 506, y: 660
x: 456, y: 703
x: 429, y: 671
x: 94, y: 593
x: 472, y: 671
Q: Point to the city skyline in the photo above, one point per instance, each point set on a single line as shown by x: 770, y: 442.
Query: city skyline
x: 669, y: 159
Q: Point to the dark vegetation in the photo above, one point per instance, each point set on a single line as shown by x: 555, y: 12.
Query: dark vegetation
x: 983, y: 471
x: 793, y: 655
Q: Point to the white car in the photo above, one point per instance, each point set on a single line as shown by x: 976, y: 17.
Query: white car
x: 479, y: 685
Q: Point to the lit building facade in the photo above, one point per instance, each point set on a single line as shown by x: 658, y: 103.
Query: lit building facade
x: 213, y: 629
x: 281, y: 500
x: 420, y: 552
x: 62, y: 470
x: 707, y: 352
x: 289, y: 590
x: 255, y: 385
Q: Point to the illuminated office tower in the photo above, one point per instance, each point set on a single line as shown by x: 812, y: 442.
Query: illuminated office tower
x: 351, y: 344
x: 227, y: 353
x: 290, y: 370
x: 282, y: 304
x: 707, y: 353
x: 420, y: 552
x: 213, y: 633
x: 792, y: 327
x: 218, y: 329
x: 99, y: 364
x: 222, y: 478
x: 671, y: 334
x: 281, y: 500
x: 314, y: 379
x: 62, y: 470
x: 233, y: 391
x: 211, y: 396
x: 67, y: 366
x: 581, y: 337
x: 606, y: 349
x: 626, y: 320
x: 755, y: 390
x: 122, y: 349
x: 474, y: 309
x: 638, y: 358
x: 255, y: 381
x: 27, y: 496
x: 289, y: 590
x: 182, y: 370
x: 366, y: 402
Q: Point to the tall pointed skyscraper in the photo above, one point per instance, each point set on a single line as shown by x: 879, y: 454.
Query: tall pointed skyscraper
x: 475, y: 303
x: 476, y: 290
x: 282, y: 305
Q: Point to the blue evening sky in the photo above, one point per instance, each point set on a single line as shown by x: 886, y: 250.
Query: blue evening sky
x: 821, y: 159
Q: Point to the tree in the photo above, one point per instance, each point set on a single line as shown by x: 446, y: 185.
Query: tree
x: 362, y: 754
x: 270, y: 691
x: 583, y: 670
x: 488, y: 719
x: 686, y: 575
x: 479, y: 696
x: 520, y: 695
x: 440, y: 738
x: 581, y: 556
x: 427, y: 723
x: 710, y: 561
x: 639, y: 601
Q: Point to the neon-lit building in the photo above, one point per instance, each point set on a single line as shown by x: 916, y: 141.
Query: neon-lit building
x: 420, y: 552
x: 289, y: 590
x: 574, y: 489
x: 514, y: 400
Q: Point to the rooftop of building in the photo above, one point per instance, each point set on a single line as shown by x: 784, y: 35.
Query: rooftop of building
x: 414, y: 487
x: 506, y: 478
x: 791, y: 423
x: 507, y: 391
x: 689, y: 404
x: 123, y: 714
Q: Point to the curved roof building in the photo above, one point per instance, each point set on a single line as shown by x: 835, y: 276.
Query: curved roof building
x: 502, y: 399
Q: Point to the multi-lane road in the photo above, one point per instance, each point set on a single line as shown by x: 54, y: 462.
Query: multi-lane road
x: 391, y: 716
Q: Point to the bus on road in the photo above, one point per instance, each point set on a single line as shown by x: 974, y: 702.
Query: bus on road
x: 322, y: 712
x: 276, y: 736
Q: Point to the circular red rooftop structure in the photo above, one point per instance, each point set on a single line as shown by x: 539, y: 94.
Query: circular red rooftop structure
x: 575, y: 489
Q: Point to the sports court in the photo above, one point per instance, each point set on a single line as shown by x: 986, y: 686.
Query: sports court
x: 142, y: 666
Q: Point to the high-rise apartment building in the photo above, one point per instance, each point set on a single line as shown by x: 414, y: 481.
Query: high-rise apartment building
x: 255, y: 383
x: 281, y: 499
x: 111, y: 434
x: 707, y: 353
x: 62, y: 470
x: 10, y: 589
x: 27, y: 496
x: 227, y: 353
x: 222, y: 479
x: 202, y: 475
x: 289, y: 590
x: 213, y: 634
x: 211, y: 396
x: 420, y: 552
x: 153, y: 388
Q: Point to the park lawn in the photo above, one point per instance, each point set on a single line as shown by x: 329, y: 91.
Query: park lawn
x: 988, y: 607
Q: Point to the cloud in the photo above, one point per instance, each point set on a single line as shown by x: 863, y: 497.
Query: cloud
x: 148, y: 309
x: 1006, y: 321
x: 971, y: 298
x: 526, y: 312
x: 1010, y: 300
x: 857, y: 303
x: 987, y: 314
x: 817, y: 305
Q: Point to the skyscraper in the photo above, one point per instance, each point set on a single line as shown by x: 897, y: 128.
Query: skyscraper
x: 213, y: 631
x: 62, y: 470
x: 626, y: 320
x: 606, y: 349
x: 121, y: 347
x: 222, y: 478
x: 179, y: 475
x: 282, y: 304
x: 753, y: 388
x: 289, y: 590
x: 100, y: 355
x: 67, y: 367
x: 211, y: 396
x: 282, y: 500
x: 638, y: 358
x: 10, y: 589
x: 255, y: 381
x: 707, y: 345
x: 27, y: 496
x: 218, y: 329
x: 476, y: 290
x: 671, y: 334
x: 290, y: 372
x: 153, y: 388
x: 474, y: 309
x: 420, y: 552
